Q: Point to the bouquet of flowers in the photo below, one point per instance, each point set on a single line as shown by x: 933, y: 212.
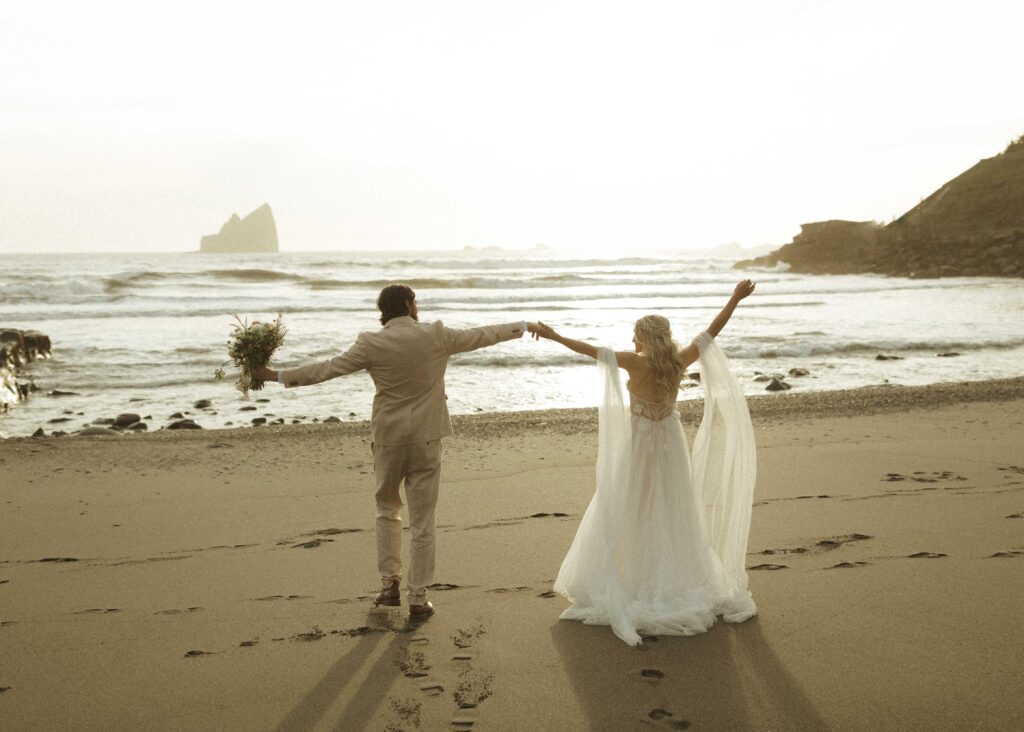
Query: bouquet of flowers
x: 251, y: 347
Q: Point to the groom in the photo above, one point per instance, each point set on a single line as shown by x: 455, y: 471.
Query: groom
x: 406, y: 360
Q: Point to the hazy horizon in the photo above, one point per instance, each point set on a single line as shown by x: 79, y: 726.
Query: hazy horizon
x: 439, y: 127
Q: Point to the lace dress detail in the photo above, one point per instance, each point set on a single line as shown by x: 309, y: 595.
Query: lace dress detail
x: 654, y: 411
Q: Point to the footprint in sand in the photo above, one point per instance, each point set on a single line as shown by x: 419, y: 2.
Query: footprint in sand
x: 311, y: 544
x: 196, y: 654
x: 650, y: 676
x: 178, y: 611
x: 407, y: 712
x: 548, y: 594
x: 1006, y: 555
x: 926, y: 555
x: 332, y: 532
x: 5, y: 688
x: 849, y: 565
x: 768, y: 566
x: 5, y: 623
x: 658, y: 714
x: 102, y: 610
x: 310, y: 635
x: 281, y: 597
x: 502, y: 590
x: 248, y: 643
x: 474, y: 687
x: 414, y: 665
x: 464, y: 638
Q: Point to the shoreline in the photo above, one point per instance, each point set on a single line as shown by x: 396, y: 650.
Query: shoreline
x: 779, y: 407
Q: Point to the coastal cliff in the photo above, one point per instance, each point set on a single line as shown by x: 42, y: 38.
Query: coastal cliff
x: 257, y: 233
x: 972, y: 225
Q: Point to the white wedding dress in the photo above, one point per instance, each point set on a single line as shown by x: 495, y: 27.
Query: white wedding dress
x: 661, y: 549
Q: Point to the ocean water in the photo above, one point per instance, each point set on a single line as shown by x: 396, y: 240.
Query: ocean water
x: 144, y: 333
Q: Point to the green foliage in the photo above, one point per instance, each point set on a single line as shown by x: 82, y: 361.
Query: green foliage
x: 251, y: 347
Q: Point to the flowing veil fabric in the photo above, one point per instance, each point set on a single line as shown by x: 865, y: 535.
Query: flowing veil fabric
x: 724, y: 473
x: 661, y: 547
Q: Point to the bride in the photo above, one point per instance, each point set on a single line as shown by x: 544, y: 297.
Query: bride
x: 661, y: 549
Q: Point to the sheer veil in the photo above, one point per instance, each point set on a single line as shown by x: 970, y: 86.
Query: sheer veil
x: 724, y: 473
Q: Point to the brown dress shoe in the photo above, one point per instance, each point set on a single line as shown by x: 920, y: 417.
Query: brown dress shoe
x: 421, y: 611
x: 390, y: 596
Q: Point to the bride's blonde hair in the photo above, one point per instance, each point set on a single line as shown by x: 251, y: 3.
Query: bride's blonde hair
x: 655, y: 333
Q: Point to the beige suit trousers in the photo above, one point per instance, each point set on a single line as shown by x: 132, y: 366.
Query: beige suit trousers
x: 419, y: 465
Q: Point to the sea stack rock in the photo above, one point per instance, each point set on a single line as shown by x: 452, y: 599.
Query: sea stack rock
x: 256, y: 233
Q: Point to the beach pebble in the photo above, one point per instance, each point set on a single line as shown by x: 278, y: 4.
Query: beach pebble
x: 203, y: 404
x: 950, y: 354
x: 39, y: 433
x: 777, y: 385
x: 138, y: 427
x: 177, y: 415
x: 126, y: 420
x: 59, y: 393
x: 883, y: 357
x: 799, y: 372
x: 183, y: 424
x: 259, y: 420
x: 332, y: 418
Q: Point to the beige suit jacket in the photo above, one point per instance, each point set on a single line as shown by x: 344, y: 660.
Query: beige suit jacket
x: 406, y: 360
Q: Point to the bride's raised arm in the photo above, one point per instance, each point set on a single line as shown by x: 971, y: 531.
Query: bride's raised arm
x: 689, y: 354
x: 625, y: 359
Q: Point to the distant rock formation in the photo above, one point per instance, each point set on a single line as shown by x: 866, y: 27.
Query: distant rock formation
x: 973, y: 225
x: 17, y: 348
x: 257, y: 232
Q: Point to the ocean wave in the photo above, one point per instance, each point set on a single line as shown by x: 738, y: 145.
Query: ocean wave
x: 506, y: 260
x: 530, y: 360
x: 431, y: 311
x: 457, y: 283
x: 929, y: 348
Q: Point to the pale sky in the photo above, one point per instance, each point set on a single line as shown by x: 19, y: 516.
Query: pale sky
x: 133, y: 126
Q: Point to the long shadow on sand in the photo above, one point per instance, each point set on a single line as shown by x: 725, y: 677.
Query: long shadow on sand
x: 727, y: 678
x: 364, y: 701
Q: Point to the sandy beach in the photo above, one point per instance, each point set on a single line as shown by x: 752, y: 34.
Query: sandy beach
x: 221, y: 580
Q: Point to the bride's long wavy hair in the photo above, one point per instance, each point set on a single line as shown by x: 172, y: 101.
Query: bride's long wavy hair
x: 655, y: 333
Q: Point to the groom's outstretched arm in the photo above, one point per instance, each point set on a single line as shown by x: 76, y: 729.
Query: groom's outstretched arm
x: 354, y: 359
x: 469, y: 339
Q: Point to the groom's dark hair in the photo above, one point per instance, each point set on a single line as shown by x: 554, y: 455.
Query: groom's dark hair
x: 393, y: 302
